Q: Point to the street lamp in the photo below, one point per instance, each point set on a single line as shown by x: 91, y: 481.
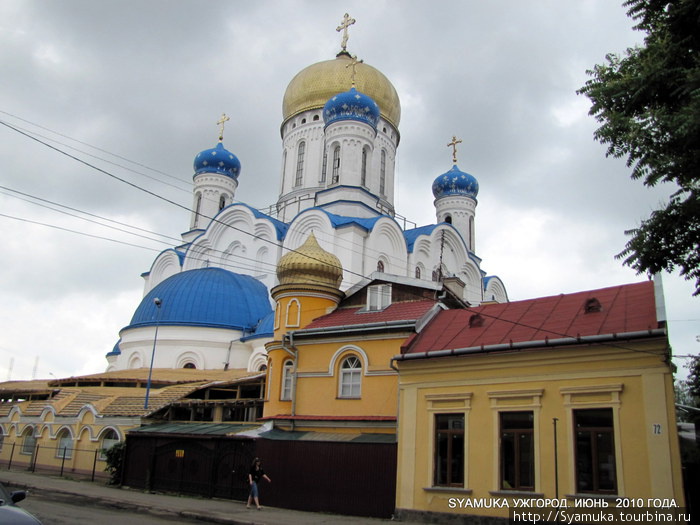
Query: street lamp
x: 157, y: 302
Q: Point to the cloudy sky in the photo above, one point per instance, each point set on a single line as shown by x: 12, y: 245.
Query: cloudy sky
x: 135, y: 88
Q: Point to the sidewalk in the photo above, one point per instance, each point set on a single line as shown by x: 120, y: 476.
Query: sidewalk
x: 207, y: 510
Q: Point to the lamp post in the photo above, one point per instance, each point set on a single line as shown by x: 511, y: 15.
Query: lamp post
x: 157, y: 302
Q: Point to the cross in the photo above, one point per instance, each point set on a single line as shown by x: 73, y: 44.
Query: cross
x: 347, y: 22
x: 353, y: 64
x: 221, y: 123
x: 454, y: 143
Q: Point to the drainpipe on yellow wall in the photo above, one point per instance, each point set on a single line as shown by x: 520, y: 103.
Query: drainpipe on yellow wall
x: 288, y: 345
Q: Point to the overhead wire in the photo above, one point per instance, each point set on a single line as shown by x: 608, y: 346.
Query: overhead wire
x: 212, y: 219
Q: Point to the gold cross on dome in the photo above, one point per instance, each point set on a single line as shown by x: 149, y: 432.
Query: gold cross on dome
x: 223, y: 120
x: 347, y: 22
x: 454, y: 143
x: 353, y: 64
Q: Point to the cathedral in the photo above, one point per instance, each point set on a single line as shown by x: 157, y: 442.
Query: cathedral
x: 207, y: 301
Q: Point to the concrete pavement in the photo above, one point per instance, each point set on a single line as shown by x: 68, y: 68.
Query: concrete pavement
x: 164, y: 505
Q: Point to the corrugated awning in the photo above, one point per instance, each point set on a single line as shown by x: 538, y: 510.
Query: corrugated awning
x: 196, y: 429
x: 340, y: 437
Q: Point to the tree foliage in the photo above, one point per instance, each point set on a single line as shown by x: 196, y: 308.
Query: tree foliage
x: 648, y: 104
x: 115, y: 461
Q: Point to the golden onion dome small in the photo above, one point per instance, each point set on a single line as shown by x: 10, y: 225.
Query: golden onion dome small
x: 310, y: 264
x: 314, y: 85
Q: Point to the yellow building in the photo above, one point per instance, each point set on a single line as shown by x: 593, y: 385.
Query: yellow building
x: 567, y: 397
x: 329, y: 363
x: 63, y: 425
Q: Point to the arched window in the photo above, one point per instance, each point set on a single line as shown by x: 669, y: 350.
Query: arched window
x: 417, y: 272
x: 336, y: 165
x: 324, y: 167
x: 315, y: 118
x: 300, y: 163
x: 190, y: 365
x: 293, y: 313
x: 28, y: 441
x: 197, y: 208
x: 64, y: 447
x: 471, y: 233
x: 363, y: 176
x: 380, y: 266
x: 287, y: 370
x: 382, y: 174
x: 448, y: 219
x: 222, y: 202
x: 284, y: 166
x: 109, y: 439
x: 2, y: 438
x: 350, y: 377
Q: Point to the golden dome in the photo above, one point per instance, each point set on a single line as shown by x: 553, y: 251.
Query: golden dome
x: 313, y: 86
x: 310, y: 264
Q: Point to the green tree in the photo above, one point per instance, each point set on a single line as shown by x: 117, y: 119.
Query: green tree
x: 648, y: 104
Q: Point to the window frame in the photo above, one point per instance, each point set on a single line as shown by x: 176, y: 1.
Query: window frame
x: 28, y: 435
x: 452, y: 455
x: 382, y: 173
x: 64, y: 439
x: 350, y: 377
x: 378, y: 297
x: 595, y: 460
x: 299, y: 177
x: 286, y: 380
x: 102, y: 456
x: 517, y: 434
x: 335, y: 167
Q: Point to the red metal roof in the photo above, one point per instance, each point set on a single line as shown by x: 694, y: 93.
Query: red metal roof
x: 624, y: 308
x: 403, y: 311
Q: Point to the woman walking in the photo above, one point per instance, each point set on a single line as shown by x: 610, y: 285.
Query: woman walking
x: 256, y: 473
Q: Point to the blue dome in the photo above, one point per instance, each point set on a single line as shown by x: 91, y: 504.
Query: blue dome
x: 455, y: 182
x: 217, y: 160
x: 351, y: 105
x: 209, y: 297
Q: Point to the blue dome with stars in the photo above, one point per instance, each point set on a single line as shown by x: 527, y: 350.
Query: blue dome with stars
x: 351, y: 105
x: 217, y: 160
x: 455, y: 182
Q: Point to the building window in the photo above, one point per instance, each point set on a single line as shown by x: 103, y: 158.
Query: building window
x: 417, y: 272
x: 363, y: 175
x: 324, y: 167
x: 300, y: 163
x: 2, y: 438
x: 284, y: 167
x: 293, y: 313
x: 382, y: 174
x: 517, y: 451
x: 336, y: 165
x: 109, y: 439
x: 350, y: 377
x: 378, y: 296
x: 190, y: 365
x: 287, y: 370
x: 29, y: 442
x: 222, y: 202
x: 380, y: 266
x: 65, y: 445
x: 449, y: 450
x: 595, y: 451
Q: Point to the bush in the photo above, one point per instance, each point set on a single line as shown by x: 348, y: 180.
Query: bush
x: 115, y: 461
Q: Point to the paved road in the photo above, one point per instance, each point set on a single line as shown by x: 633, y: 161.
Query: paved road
x: 62, y: 513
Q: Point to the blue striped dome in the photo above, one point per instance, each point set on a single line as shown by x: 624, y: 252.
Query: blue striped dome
x: 208, y: 297
x: 455, y: 182
x: 351, y: 105
x: 217, y: 160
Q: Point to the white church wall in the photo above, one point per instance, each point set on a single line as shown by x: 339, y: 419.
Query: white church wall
x: 387, y: 243
x: 166, y: 265
x: 205, y: 347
